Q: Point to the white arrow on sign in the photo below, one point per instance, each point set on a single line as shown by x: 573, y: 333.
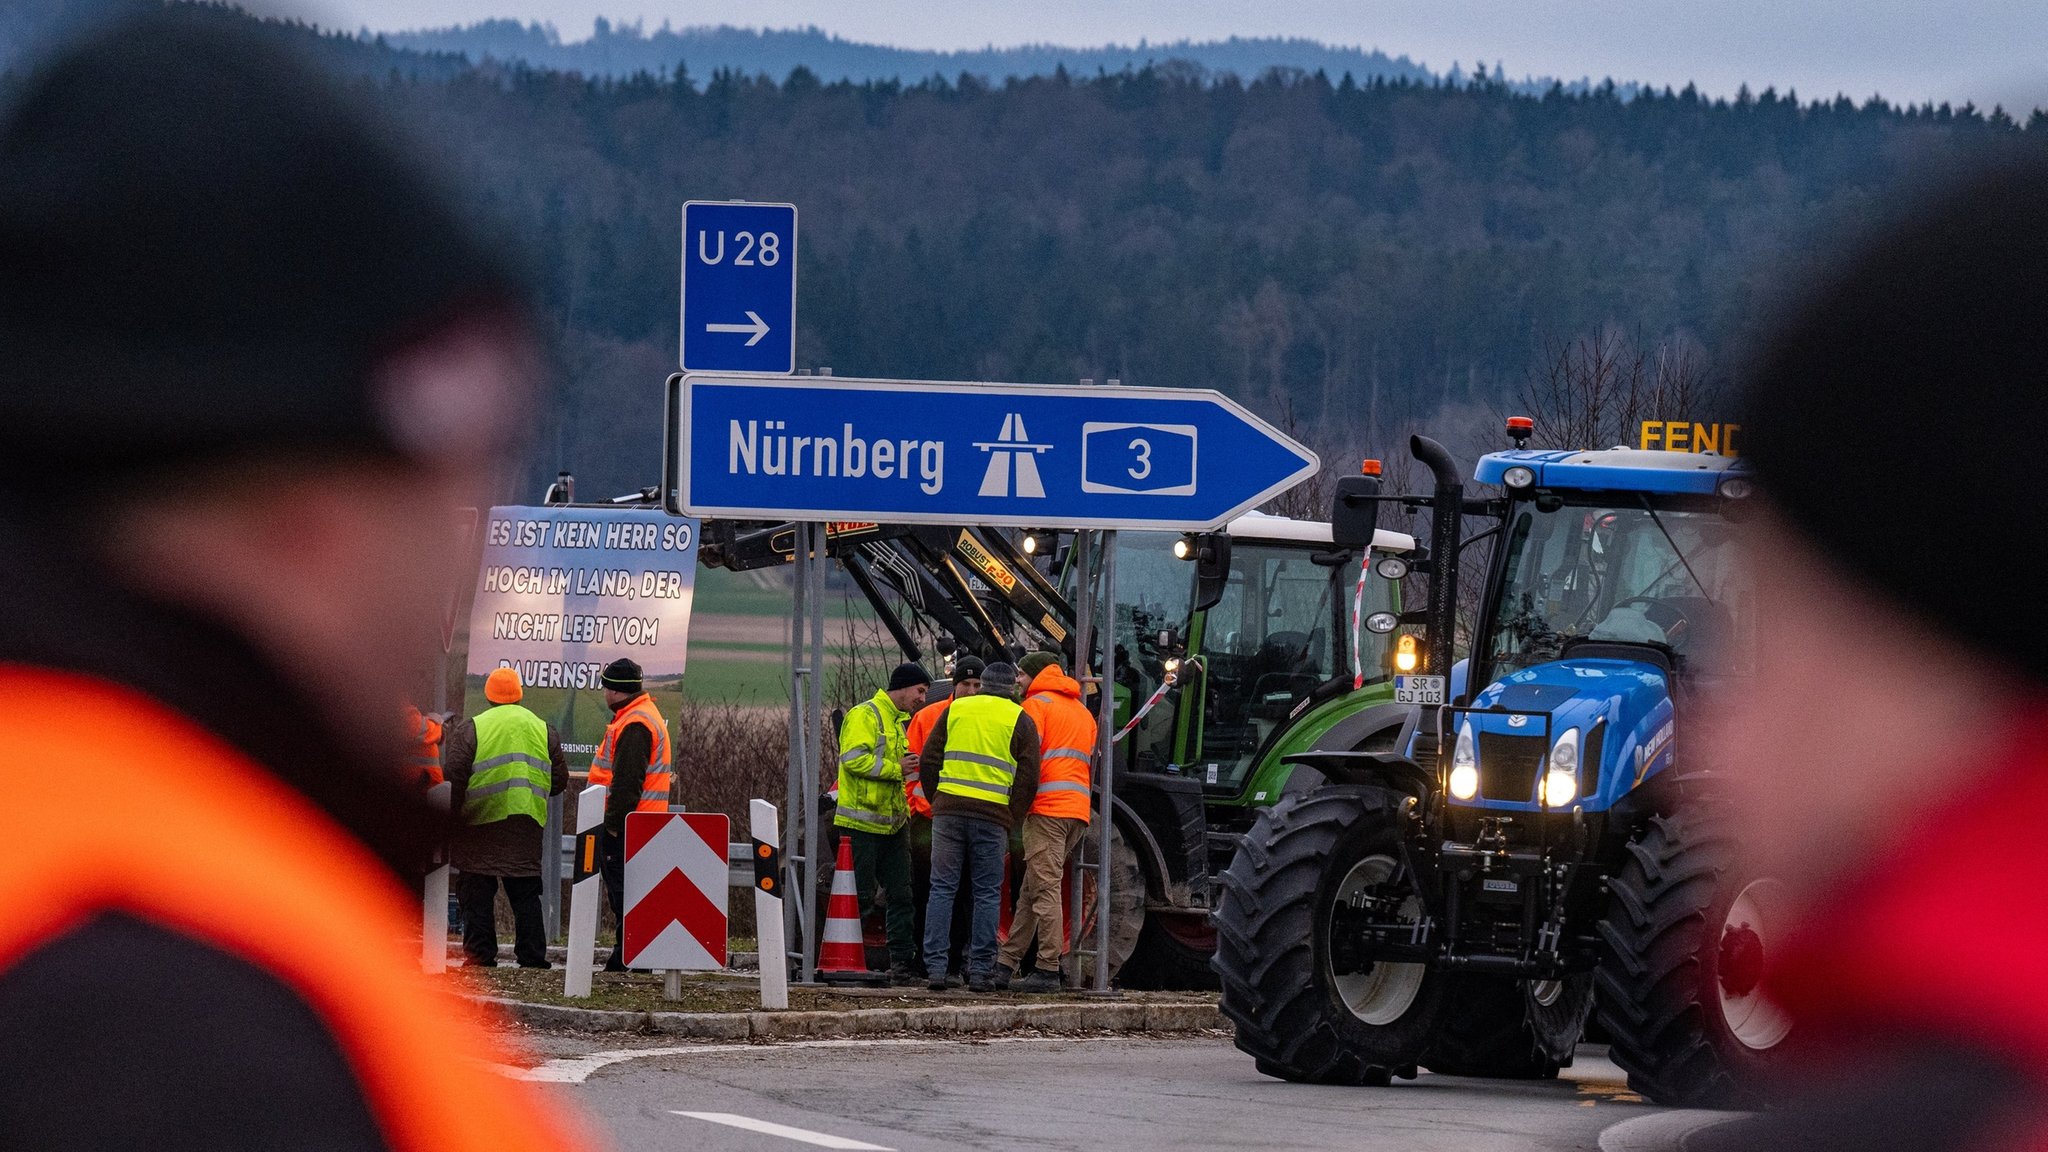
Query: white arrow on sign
x: 758, y: 327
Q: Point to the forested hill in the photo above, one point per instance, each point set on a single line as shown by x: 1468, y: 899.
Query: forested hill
x: 1355, y: 256
x: 620, y: 50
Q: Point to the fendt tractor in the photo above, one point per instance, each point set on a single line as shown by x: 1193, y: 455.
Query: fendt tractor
x: 1248, y: 631
x: 1536, y: 845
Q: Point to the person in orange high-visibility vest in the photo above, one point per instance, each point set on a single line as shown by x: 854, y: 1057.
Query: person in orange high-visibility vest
x: 423, y: 735
x: 966, y: 682
x: 633, y: 762
x: 254, y: 356
x: 1053, y: 827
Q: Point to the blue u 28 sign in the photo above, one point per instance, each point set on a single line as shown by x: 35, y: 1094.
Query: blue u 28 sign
x: 739, y: 287
x: 915, y: 452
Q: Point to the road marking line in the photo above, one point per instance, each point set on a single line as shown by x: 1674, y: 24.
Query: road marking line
x: 577, y: 1069
x: 803, y: 1135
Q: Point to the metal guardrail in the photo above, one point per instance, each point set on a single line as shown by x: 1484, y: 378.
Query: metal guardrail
x: 739, y: 862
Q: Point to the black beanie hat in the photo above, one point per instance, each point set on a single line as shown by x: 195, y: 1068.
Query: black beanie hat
x: 1904, y: 402
x: 621, y: 675
x: 205, y: 248
x: 907, y: 675
x: 967, y: 668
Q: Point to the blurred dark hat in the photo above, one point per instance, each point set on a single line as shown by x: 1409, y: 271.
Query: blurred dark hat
x: 999, y: 678
x: 1902, y: 405
x: 908, y: 675
x: 205, y: 248
x: 967, y: 668
x: 621, y: 675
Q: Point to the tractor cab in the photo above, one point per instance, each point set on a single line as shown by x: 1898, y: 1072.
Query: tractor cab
x: 1242, y: 632
x: 1616, y: 588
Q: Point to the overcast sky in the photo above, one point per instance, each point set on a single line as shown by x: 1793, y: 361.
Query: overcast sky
x: 1990, y: 51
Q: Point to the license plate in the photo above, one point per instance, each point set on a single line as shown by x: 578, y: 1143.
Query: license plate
x: 1418, y: 689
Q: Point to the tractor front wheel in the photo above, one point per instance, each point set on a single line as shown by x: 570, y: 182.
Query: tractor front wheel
x: 1312, y: 872
x: 1687, y: 933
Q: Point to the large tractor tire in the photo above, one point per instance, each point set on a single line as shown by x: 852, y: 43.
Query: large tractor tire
x: 1303, y: 1010
x: 1173, y: 953
x: 1510, y: 1029
x: 1687, y: 931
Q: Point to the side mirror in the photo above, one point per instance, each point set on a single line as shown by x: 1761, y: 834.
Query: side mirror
x: 1212, y: 568
x: 1354, y: 514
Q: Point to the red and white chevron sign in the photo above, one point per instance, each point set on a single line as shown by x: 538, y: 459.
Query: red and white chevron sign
x: 676, y: 879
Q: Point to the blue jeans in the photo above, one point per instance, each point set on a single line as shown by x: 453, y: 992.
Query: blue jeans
x: 979, y: 846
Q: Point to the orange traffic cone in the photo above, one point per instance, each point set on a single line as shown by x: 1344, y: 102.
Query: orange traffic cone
x: 843, y: 952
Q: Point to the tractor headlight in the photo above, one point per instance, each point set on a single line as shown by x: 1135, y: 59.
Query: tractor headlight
x: 1518, y: 477
x: 1464, y: 766
x: 1561, y: 783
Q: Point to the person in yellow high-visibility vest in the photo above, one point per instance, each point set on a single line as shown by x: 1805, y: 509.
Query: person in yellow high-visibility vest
x: 504, y: 764
x: 873, y: 811
x: 983, y: 775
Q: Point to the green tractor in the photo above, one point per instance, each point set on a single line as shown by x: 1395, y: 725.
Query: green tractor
x: 1242, y: 641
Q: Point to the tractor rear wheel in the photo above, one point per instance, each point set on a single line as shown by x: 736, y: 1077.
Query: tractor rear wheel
x: 1305, y: 1006
x: 1510, y: 1029
x: 1686, y: 934
x: 1173, y: 953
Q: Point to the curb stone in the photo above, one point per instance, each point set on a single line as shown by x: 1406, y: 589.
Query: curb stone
x: 944, y: 1020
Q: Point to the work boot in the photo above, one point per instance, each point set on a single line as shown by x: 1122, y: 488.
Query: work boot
x: 936, y: 982
x: 905, y: 976
x: 1039, y: 982
x: 1004, y: 974
x: 612, y: 963
x: 981, y: 983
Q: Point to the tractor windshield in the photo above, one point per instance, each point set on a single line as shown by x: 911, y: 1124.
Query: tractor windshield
x: 1618, y: 573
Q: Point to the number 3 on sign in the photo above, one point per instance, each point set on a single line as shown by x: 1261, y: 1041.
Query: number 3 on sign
x: 1144, y: 465
x: 749, y: 250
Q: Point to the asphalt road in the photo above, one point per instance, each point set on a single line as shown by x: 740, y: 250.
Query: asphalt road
x: 1131, y: 1095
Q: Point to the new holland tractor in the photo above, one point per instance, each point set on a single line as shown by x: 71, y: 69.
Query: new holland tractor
x: 1541, y: 842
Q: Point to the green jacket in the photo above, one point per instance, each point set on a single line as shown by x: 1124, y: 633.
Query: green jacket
x: 871, y: 748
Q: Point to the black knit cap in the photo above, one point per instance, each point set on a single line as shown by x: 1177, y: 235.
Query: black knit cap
x: 1897, y: 419
x: 621, y: 675
x: 908, y: 675
x: 205, y: 247
x: 967, y: 668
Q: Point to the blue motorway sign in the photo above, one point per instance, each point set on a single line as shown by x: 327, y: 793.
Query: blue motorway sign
x: 1028, y: 455
x: 739, y: 287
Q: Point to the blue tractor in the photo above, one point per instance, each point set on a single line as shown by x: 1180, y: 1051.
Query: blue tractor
x: 1538, y: 843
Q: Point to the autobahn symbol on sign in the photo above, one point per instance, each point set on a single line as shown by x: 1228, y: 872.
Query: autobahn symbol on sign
x: 676, y: 880
x: 739, y: 287
x: 919, y: 452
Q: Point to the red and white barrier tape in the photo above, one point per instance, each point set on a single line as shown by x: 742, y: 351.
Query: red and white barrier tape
x: 1127, y: 729
x: 1357, y: 618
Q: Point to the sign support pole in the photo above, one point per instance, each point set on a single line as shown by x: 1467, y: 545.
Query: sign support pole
x: 797, y: 912
x: 1105, y: 703
x: 1084, y: 617
x: 814, y: 600
x: 434, y: 909
x: 586, y: 894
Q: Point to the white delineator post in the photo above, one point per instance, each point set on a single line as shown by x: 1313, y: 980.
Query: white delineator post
x: 586, y: 894
x: 434, y: 898
x: 765, y: 826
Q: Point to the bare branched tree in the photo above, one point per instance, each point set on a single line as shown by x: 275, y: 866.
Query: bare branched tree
x: 1596, y: 391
